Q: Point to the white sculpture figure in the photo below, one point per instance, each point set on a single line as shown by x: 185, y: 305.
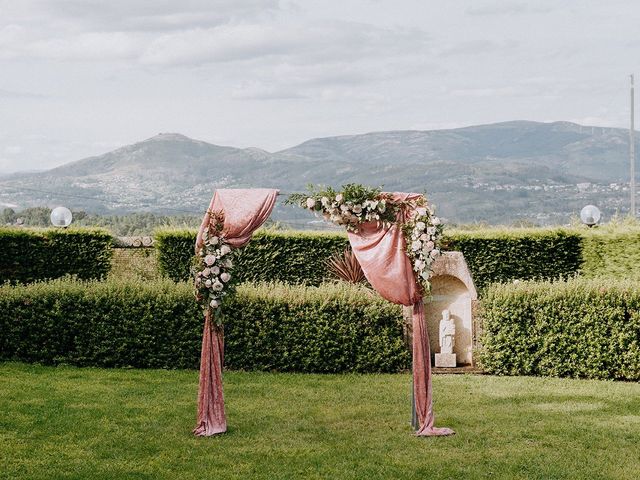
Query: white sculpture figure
x: 447, y: 333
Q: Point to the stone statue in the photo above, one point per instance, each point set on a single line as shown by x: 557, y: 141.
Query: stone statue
x: 447, y: 333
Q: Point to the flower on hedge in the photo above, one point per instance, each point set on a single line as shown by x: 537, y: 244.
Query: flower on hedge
x: 214, y: 303
x: 311, y: 203
x: 209, y: 260
x: 215, y: 270
x: 417, y: 245
x: 339, y: 197
x: 217, y: 286
x: 225, y: 277
x: 225, y: 250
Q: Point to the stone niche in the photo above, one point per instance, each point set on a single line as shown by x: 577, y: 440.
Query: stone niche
x: 452, y: 289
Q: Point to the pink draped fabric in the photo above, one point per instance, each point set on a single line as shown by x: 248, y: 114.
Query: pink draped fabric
x: 245, y: 211
x: 381, y: 253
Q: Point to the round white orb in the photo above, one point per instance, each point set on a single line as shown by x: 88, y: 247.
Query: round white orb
x: 61, y: 217
x: 590, y: 215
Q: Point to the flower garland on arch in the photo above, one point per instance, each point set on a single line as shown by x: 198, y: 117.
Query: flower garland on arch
x: 357, y: 204
x: 212, y: 268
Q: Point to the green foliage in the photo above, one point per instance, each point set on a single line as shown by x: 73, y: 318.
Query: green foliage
x: 611, y: 253
x: 295, y: 257
x: 27, y: 255
x: 581, y: 328
x: 503, y: 255
x: 333, y: 328
x: 175, y: 252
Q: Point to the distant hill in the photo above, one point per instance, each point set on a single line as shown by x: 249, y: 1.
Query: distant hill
x: 499, y: 173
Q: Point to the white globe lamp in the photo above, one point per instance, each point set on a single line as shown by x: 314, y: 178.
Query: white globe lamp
x: 590, y: 215
x: 61, y: 217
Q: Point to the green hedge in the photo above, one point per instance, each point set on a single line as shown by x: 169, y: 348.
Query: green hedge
x: 581, y: 328
x: 299, y: 257
x: 333, y: 328
x: 503, y: 255
x: 611, y: 253
x: 294, y: 257
x: 27, y: 255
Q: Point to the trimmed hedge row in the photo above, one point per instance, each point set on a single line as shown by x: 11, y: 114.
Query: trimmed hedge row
x: 503, y: 255
x: 294, y: 257
x: 581, y: 328
x: 27, y: 255
x: 613, y: 253
x: 333, y: 328
x: 299, y: 257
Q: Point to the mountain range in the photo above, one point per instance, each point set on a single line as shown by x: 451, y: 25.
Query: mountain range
x: 518, y: 171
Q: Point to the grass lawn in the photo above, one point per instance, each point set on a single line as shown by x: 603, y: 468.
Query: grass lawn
x: 91, y: 423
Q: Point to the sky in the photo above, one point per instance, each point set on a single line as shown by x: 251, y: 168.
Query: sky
x: 83, y: 77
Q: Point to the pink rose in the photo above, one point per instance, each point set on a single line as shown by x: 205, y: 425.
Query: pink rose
x: 209, y: 260
x: 311, y: 203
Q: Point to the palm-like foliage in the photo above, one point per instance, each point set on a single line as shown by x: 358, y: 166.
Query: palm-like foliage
x: 345, y: 266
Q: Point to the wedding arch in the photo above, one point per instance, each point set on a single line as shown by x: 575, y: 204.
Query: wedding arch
x: 394, y: 236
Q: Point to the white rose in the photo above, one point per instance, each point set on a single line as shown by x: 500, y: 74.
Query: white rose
x: 218, y: 286
x: 225, y: 277
x: 209, y: 260
x: 419, y: 264
x: 357, y: 208
x: 206, y: 272
x: 310, y: 203
x: 430, y: 245
x: 415, y: 246
x: 339, y: 197
x: 344, y: 208
x: 225, y: 250
x: 325, y: 201
x: 434, y: 253
x: 215, y: 270
x: 435, y: 221
x: 214, y: 304
x: 207, y: 284
x: 214, y: 240
x: 421, y: 226
x: 421, y: 211
x: 424, y: 237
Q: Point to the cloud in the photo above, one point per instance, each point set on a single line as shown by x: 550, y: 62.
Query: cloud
x: 9, y: 94
x: 319, y: 42
x: 507, y: 8
x: 260, y: 91
x: 145, y: 15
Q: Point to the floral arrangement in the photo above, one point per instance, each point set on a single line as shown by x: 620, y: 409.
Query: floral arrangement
x: 212, y: 267
x: 357, y: 204
x: 422, y: 233
x: 354, y: 205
